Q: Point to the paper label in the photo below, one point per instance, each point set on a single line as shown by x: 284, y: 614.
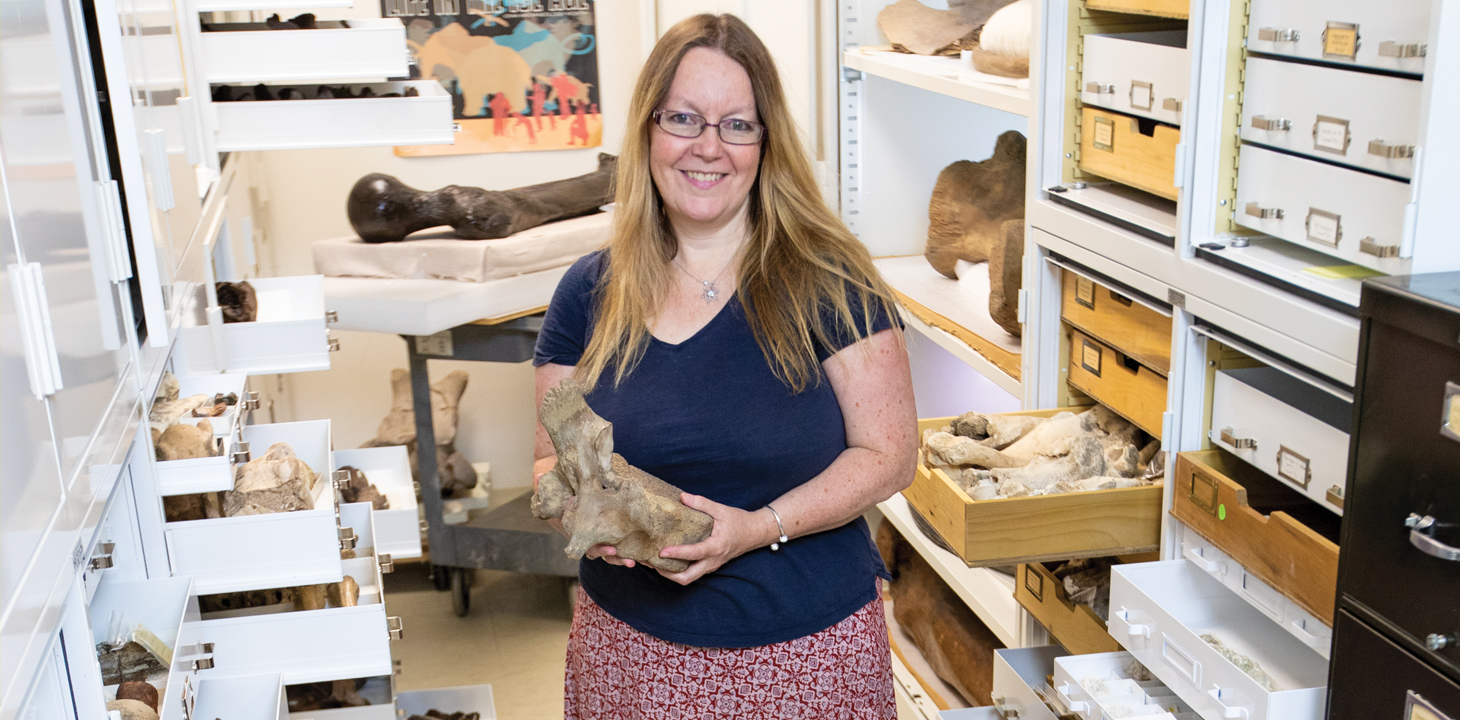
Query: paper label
x: 1293, y: 467
x: 1331, y: 135
x: 1104, y: 135
x: 439, y: 344
x: 1324, y: 227
x: 1418, y: 708
x: 1085, y: 292
x: 1341, y: 40
x: 1090, y: 357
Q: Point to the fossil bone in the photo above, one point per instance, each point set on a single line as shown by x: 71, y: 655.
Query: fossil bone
x: 453, y: 470
x: 345, y: 593
x: 278, y: 481
x: 383, y: 209
x: 183, y: 441
x: 601, y: 498
x: 132, y: 709
x: 165, y: 413
x: 139, y: 691
x: 916, y: 28
x: 238, y: 301
x: 359, y: 489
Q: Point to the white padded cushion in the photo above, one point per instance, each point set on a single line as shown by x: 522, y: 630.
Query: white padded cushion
x: 1007, y: 32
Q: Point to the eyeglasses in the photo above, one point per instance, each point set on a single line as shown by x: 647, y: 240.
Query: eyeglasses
x: 733, y: 131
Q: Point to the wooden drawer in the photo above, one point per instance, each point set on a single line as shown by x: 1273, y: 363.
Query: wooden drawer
x: 1141, y: 73
x: 1281, y: 551
x: 1006, y: 531
x: 1020, y: 675
x: 1159, y: 611
x: 1113, y: 147
x: 1161, y: 8
x: 250, y: 52
x: 1123, y: 695
x: 1135, y: 391
x: 1342, y: 32
x: 1333, y: 114
x: 1347, y: 214
x: 1074, y: 626
x: 289, y: 335
x: 1285, y: 427
x: 397, y: 528
x: 340, y: 122
x: 1104, y: 314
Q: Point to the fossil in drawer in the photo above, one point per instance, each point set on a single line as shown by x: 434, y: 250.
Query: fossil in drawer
x: 238, y: 301
x: 977, y: 215
x: 131, y: 651
x: 601, y: 498
x: 131, y: 709
x: 997, y: 456
x: 434, y: 714
x: 383, y: 209
x: 357, y: 488
x: 140, y: 691
x: 265, y: 93
x: 453, y: 471
x: 913, y: 27
x: 278, y: 481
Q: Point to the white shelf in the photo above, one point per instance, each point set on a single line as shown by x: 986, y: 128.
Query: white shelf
x: 939, y: 75
x: 988, y: 593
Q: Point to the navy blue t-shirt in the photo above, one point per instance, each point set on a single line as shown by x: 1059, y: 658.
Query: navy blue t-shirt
x: 709, y: 416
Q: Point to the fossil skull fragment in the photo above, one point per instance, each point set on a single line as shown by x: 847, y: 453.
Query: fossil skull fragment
x: 601, y: 498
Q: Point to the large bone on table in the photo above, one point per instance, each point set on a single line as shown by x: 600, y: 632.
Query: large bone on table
x: 383, y: 209
x: 601, y: 498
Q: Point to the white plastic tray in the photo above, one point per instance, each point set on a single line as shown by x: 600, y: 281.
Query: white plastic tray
x: 211, y: 474
x: 289, y: 335
x: 397, y: 529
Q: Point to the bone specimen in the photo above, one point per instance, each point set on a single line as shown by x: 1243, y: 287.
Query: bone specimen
x: 345, y: 593
x: 238, y: 301
x: 222, y: 602
x: 132, y: 709
x: 310, y: 597
x: 453, y: 470
x: 132, y: 653
x: 1087, y: 582
x: 1243, y: 663
x: 179, y: 508
x: 326, y: 695
x: 600, y: 497
x: 139, y: 691
x: 1003, y: 43
x: 276, y: 482
x: 167, y: 412
x: 973, y: 215
x: 359, y: 489
x: 913, y: 27
x: 434, y: 714
x: 217, y: 406
x: 305, y: 21
x: 993, y: 456
x: 183, y: 441
x: 168, y: 388
x: 382, y: 209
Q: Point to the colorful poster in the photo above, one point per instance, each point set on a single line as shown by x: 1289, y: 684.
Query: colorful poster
x: 523, y: 74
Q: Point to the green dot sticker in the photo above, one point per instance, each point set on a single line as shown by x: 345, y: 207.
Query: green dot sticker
x: 1222, y: 511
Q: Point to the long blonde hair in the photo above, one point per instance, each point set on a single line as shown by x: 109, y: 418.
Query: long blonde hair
x: 799, y: 264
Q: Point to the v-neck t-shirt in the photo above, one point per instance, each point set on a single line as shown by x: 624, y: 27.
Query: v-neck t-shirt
x: 708, y: 416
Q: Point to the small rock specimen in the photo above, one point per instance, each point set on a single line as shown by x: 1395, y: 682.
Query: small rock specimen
x: 276, y: 482
x: 1243, y: 663
x: 133, y: 655
x: 976, y: 214
x: 453, y: 470
x: 600, y: 497
x: 132, y: 709
x: 310, y: 597
x: 139, y: 691
x: 217, y: 406
x: 345, y: 593
x: 359, y: 489
x: 183, y: 441
x: 383, y: 209
x: 238, y: 301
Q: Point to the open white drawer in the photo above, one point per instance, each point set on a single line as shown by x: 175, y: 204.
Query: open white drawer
x: 275, y: 550
x: 288, y: 335
x: 357, y: 520
x: 1160, y: 610
x: 1019, y: 675
x: 212, y: 474
x: 251, y: 52
x: 397, y: 528
x: 159, y: 605
x: 1295, y: 620
x: 1101, y: 685
x: 339, y: 122
x: 246, y: 697
x: 305, y: 645
x: 219, y: 5
x: 364, y: 712
x: 463, y: 698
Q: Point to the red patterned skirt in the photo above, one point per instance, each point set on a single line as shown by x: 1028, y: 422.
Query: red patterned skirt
x: 841, y: 673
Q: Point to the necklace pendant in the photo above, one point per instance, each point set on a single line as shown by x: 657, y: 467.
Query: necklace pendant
x: 710, y: 291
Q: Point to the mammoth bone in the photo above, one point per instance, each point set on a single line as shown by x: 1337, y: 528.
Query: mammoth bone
x: 383, y: 209
x: 601, y: 498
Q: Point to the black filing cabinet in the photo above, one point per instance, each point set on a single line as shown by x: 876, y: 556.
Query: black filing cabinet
x: 1396, y: 651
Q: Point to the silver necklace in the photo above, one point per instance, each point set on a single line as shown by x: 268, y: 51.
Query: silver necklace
x: 710, y: 293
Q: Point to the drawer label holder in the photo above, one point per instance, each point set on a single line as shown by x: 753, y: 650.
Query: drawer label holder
x: 1034, y: 583
x: 1104, y: 138
x: 1294, y: 467
x: 1331, y: 134
x: 1090, y: 357
x: 1203, y: 492
x: 1418, y: 708
x: 1341, y: 40
x: 1324, y: 227
x: 1142, y: 95
x: 1085, y: 292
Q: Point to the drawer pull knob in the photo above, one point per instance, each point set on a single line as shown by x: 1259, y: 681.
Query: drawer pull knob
x: 334, y: 344
x: 1273, y: 124
x: 1371, y: 246
x: 1436, y: 641
x: 395, y: 627
x: 1335, y: 496
x: 241, y: 454
x: 1172, y: 104
x: 1002, y: 709
x: 1389, y: 48
x: 1240, y: 443
x: 251, y: 400
x: 1419, y: 536
x: 1276, y: 35
x: 1377, y: 147
x: 1259, y: 211
x: 1228, y: 711
x: 330, y: 316
x: 1099, y: 88
x: 387, y: 565
x: 348, y: 538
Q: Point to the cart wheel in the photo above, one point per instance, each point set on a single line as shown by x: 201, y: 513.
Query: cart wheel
x: 441, y: 577
x: 460, y: 591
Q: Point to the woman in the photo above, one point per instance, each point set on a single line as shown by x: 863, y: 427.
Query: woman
x: 740, y: 341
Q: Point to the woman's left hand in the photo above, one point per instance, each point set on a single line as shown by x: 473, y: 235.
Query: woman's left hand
x: 735, y: 533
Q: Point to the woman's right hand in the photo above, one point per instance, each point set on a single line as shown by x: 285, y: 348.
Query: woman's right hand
x: 608, y: 554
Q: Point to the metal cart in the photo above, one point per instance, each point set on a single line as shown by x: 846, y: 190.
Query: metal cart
x: 508, y: 537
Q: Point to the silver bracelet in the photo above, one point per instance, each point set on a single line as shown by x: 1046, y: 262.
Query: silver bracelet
x: 777, y: 545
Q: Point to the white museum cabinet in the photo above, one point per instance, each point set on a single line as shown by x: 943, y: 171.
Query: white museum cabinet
x: 339, y: 122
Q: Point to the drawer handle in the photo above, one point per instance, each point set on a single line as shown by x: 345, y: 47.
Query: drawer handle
x: 1214, y: 567
x: 1299, y: 629
x: 1370, y: 246
x: 387, y: 564
x: 334, y: 344
x: 394, y: 627
x: 251, y: 400
x: 1172, y: 104
x: 1099, y: 88
x: 1263, y: 213
x: 241, y: 454
x: 1074, y: 706
x: 1389, y: 48
x: 1240, y: 443
x: 1178, y: 659
x: 1276, y: 35
x: 1273, y: 124
x: 1377, y: 147
x: 1420, y: 538
x: 1002, y: 709
x: 1228, y: 711
x: 331, y: 316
